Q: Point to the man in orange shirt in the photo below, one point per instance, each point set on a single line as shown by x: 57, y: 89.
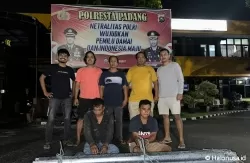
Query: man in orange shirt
x: 87, y: 79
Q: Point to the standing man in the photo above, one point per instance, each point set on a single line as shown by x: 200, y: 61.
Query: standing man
x: 76, y: 52
x: 153, y: 52
x: 87, y: 81
x: 141, y: 77
x: 171, y: 85
x: 60, y: 95
x: 114, y: 91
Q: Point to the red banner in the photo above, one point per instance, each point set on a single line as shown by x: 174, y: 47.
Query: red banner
x: 109, y: 31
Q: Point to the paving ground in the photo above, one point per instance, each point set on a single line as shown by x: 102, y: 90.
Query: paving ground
x: 24, y: 144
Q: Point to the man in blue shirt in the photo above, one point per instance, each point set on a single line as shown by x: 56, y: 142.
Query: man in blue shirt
x: 114, y: 91
x: 146, y: 127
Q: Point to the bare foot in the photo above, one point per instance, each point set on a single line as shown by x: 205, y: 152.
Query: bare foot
x: 182, y: 145
x: 77, y: 142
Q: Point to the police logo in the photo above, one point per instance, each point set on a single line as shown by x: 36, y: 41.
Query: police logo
x: 161, y: 18
x: 63, y: 15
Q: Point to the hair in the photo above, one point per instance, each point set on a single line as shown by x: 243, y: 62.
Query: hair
x: 98, y: 102
x: 164, y: 49
x: 144, y: 102
x: 140, y: 52
x: 113, y: 56
x: 171, y: 54
x: 86, y: 55
x: 63, y: 51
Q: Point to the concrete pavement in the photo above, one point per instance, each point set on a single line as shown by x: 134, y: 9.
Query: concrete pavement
x: 24, y: 144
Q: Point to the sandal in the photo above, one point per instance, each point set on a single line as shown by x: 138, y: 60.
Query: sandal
x: 182, y: 146
x: 166, y: 141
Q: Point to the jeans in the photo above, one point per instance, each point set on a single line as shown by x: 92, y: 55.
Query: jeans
x: 111, y: 148
x: 54, y: 105
x: 118, y: 117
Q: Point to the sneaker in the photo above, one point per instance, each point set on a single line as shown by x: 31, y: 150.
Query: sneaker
x: 46, y: 146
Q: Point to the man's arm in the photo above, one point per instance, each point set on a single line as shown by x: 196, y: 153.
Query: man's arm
x: 87, y: 131
x: 154, y: 129
x: 134, y: 128
x: 129, y: 77
x: 42, y: 80
x: 73, y: 78
x: 77, y: 88
x: 155, y: 82
x: 180, y: 78
x: 125, y: 92
x: 77, y: 84
x: 42, y: 83
x: 101, y: 85
x: 110, y: 131
x: 125, y: 87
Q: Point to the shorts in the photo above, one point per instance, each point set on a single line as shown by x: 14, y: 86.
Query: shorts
x: 84, y: 106
x: 169, y: 103
x: 133, y: 108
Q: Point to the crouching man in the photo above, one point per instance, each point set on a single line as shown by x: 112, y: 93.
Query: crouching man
x: 99, y: 130
x: 146, y: 127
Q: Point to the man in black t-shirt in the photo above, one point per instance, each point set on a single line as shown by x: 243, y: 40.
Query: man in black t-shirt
x: 146, y: 127
x: 60, y: 95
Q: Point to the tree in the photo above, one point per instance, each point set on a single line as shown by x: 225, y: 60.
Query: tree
x: 247, y: 3
x: 97, y: 2
x: 155, y: 4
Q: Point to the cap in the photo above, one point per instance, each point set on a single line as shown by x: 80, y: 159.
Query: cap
x: 70, y: 32
x: 153, y: 33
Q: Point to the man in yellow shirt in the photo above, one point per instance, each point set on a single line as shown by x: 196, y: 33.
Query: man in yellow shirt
x: 142, y: 78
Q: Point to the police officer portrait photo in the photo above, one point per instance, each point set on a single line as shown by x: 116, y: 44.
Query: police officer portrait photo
x: 153, y: 52
x: 76, y: 51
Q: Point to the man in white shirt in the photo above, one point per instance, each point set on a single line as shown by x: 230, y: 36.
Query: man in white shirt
x: 171, y: 85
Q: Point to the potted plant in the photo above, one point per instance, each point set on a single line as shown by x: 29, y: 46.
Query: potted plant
x: 190, y: 102
x: 207, y: 91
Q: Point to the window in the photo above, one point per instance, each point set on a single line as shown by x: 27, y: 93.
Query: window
x: 223, y: 50
x: 235, y: 47
x: 245, y: 42
x: 245, y: 51
x: 212, y: 50
x: 237, y: 41
x: 230, y: 50
x: 230, y: 41
x: 223, y: 42
x: 204, y: 49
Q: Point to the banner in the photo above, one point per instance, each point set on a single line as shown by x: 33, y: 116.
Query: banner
x: 109, y: 31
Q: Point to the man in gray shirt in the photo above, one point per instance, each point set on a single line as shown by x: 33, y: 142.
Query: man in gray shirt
x: 171, y: 84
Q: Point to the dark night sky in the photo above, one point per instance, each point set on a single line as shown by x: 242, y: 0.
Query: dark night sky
x: 210, y: 9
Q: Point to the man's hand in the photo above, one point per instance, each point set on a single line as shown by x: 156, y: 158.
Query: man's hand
x: 94, y: 149
x: 179, y: 97
x: 76, y: 102
x: 156, y: 98
x: 124, y: 103
x: 104, y: 149
x: 48, y: 95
